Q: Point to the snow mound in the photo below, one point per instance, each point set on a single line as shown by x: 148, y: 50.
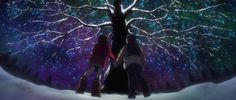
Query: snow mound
x: 12, y: 88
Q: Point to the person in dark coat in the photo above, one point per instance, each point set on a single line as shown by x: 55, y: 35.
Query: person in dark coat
x: 134, y: 61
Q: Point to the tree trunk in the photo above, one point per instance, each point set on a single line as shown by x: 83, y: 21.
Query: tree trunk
x: 117, y: 81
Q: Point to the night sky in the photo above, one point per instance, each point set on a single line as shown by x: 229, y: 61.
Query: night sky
x: 30, y: 33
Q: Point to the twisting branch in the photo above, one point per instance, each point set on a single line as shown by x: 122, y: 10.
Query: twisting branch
x: 203, y: 26
x: 127, y: 10
x: 153, y: 38
x: 58, y: 35
x: 174, y: 2
x: 58, y: 12
x: 89, y: 25
x: 169, y: 32
x: 103, y: 8
x: 161, y: 8
x: 109, y: 7
x: 183, y: 38
x: 202, y: 9
x: 128, y: 23
x: 50, y: 22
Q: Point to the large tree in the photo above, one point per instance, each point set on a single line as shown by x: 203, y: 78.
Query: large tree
x: 175, y: 30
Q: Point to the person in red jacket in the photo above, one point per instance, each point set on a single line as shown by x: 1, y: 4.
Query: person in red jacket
x: 97, y: 63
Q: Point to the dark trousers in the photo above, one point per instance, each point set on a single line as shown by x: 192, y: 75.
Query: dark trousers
x: 135, y: 78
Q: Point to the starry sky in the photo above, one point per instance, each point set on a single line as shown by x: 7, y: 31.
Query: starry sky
x: 31, y: 35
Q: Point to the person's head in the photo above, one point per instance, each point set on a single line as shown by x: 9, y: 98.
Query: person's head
x: 131, y: 39
x: 132, y: 45
x: 102, y: 40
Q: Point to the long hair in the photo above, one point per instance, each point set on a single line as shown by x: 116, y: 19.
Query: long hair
x: 102, y: 40
x: 103, y: 43
x: 132, y: 45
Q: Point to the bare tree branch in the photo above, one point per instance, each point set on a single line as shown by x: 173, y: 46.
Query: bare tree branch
x: 202, y: 9
x: 174, y: 2
x: 73, y: 49
x: 161, y: 38
x: 109, y: 7
x: 127, y: 10
x: 128, y: 23
x: 104, y: 8
x: 203, y: 26
x: 90, y: 25
x: 50, y: 22
x: 161, y: 8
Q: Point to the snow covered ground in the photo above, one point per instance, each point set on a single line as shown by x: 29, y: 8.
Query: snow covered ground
x: 12, y: 88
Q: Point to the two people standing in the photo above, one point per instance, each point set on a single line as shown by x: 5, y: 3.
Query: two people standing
x: 134, y: 61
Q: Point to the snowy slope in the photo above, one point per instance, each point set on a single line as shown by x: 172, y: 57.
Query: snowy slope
x: 12, y: 88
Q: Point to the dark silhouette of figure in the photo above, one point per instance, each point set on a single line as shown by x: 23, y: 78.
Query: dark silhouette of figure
x: 97, y: 62
x: 134, y: 61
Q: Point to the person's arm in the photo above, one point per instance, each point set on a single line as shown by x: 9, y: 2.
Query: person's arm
x: 121, y: 55
x: 112, y: 57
